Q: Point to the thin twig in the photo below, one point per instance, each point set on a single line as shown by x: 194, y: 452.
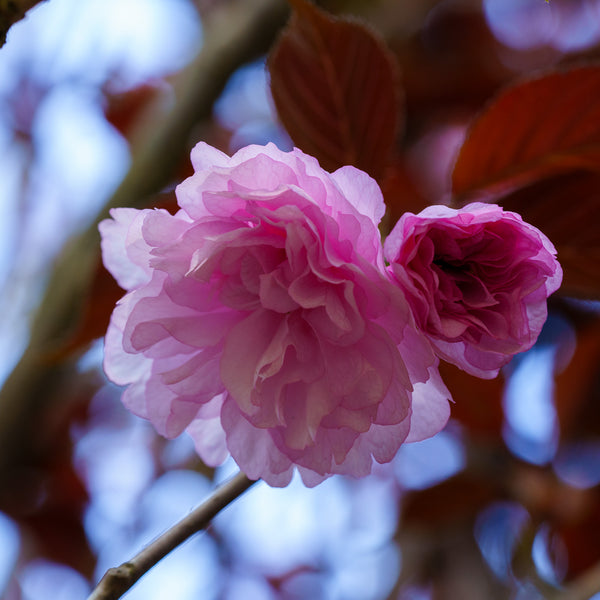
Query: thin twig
x: 118, y: 580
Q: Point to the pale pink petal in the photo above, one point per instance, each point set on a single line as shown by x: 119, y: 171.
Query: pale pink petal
x: 204, y: 157
x: 361, y: 191
x: 169, y: 413
x: 240, y: 369
x: 253, y: 448
x: 208, y: 434
x: 122, y: 367
x: 430, y: 408
x: 124, y: 251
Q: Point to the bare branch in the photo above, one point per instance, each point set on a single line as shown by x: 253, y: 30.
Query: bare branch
x: 12, y: 11
x: 118, y: 580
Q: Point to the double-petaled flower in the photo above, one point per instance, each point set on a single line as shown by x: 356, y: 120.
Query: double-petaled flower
x: 477, y: 280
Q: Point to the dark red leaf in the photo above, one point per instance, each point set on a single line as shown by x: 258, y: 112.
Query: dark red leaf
x: 536, y: 128
x: 453, y: 61
x: 459, y: 498
x: 42, y: 491
x: 577, y: 387
x: 580, y: 535
x: 56, y: 526
x: 401, y: 193
x: 123, y: 110
x: 477, y: 402
x: 567, y: 209
x: 335, y: 86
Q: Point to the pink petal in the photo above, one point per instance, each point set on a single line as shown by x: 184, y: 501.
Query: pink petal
x: 124, y: 251
x: 430, y: 408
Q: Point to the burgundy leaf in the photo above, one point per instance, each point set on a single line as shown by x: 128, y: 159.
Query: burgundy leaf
x: 536, y: 128
x: 335, y: 86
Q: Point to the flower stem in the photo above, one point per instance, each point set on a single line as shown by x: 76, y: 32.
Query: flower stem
x: 118, y: 580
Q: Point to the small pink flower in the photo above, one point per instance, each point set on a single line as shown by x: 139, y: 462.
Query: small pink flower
x: 477, y: 280
x: 261, y: 319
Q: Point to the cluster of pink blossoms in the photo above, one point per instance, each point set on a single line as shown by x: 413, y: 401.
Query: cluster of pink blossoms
x: 262, y: 318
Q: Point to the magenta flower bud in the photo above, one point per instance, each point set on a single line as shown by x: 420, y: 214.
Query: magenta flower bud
x: 477, y: 280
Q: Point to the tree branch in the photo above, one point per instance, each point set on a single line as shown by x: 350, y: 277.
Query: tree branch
x: 118, y: 580
x: 235, y: 34
x: 12, y: 11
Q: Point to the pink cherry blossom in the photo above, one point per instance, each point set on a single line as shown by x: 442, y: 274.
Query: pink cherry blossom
x: 477, y: 280
x: 260, y: 319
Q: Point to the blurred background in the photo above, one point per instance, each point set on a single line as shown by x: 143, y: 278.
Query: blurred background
x: 101, y: 101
